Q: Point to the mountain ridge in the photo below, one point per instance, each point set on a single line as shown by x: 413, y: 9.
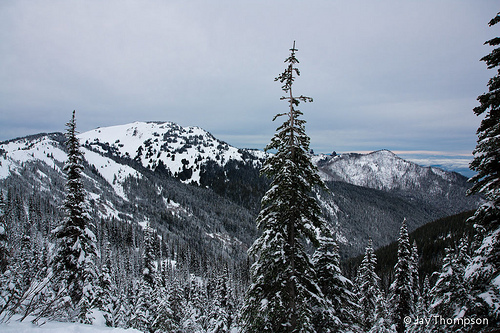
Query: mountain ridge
x: 161, y: 158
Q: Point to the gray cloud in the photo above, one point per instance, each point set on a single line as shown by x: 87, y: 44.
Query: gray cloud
x: 385, y: 74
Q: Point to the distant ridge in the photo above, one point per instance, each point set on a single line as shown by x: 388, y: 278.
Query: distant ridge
x: 150, y: 164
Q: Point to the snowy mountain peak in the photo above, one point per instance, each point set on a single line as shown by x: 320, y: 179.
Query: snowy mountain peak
x: 380, y: 169
x: 181, y: 151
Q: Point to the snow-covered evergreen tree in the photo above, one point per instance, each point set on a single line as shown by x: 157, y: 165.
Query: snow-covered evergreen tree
x: 483, y: 273
x: 368, y: 286
x: 196, y: 308
x: 383, y: 322
x: 414, y: 269
x: 450, y: 294
x: 76, y: 251
x: 176, y: 301
x: 149, y: 256
x: 402, y: 294
x: 146, y: 303
x: 3, y: 236
x: 219, y: 316
x: 106, y: 289
x: 284, y: 290
x: 337, y: 289
x: 142, y: 303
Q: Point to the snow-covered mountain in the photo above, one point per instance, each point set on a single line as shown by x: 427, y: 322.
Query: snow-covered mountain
x: 380, y: 169
x: 180, y: 150
x: 141, y: 171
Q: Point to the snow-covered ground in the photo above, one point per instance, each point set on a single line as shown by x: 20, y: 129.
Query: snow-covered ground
x: 14, y: 326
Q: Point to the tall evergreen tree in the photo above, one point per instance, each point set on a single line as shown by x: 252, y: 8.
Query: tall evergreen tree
x: 106, y: 290
x: 284, y: 290
x: 219, y: 316
x: 450, y: 295
x: 146, y: 300
x: 3, y: 236
x: 149, y: 257
x: 369, y: 293
x: 76, y: 251
x: 402, y: 302
x: 414, y: 272
x: 483, y: 274
x: 337, y: 289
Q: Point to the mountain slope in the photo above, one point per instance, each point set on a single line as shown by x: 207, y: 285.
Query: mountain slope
x: 145, y: 171
x: 432, y: 239
x: 179, y: 150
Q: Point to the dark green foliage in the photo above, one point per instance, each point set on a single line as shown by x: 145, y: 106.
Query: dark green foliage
x: 402, y: 302
x: 3, y: 236
x: 432, y: 239
x: 369, y: 294
x: 149, y: 257
x: 337, y: 289
x: 450, y: 294
x: 239, y: 181
x: 74, y: 261
x: 484, y: 268
x: 487, y: 158
x: 284, y: 291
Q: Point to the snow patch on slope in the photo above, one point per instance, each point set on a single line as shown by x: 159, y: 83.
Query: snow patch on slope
x: 114, y: 173
x: 181, y: 150
x: 17, y: 152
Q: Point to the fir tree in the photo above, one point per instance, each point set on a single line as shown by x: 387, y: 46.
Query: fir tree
x: 147, y: 300
x: 414, y: 270
x: 196, y: 310
x: 450, y: 294
x: 337, y: 289
x: 220, y: 317
x: 402, y: 302
x: 3, y: 236
x: 383, y: 323
x: 106, y: 290
x: 141, y: 317
x: 368, y: 285
x: 149, y: 257
x: 76, y: 252
x: 483, y: 273
x: 284, y: 290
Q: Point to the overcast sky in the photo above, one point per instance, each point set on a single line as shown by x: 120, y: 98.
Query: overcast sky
x: 398, y: 75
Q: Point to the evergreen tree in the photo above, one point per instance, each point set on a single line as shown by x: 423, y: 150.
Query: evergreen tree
x: 142, y: 303
x: 383, y: 323
x: 284, y: 290
x: 149, y: 257
x: 220, y: 317
x: 196, y: 309
x: 3, y: 236
x: 162, y: 313
x: 450, y: 294
x: 415, y: 275
x: 483, y: 273
x: 337, y: 289
x: 402, y: 302
x: 369, y: 293
x: 106, y: 290
x: 176, y: 301
x: 76, y: 252
x: 147, y: 299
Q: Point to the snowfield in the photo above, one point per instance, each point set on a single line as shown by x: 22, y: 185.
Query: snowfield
x: 26, y: 326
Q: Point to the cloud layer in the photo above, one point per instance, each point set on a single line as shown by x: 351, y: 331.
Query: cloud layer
x: 386, y: 74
